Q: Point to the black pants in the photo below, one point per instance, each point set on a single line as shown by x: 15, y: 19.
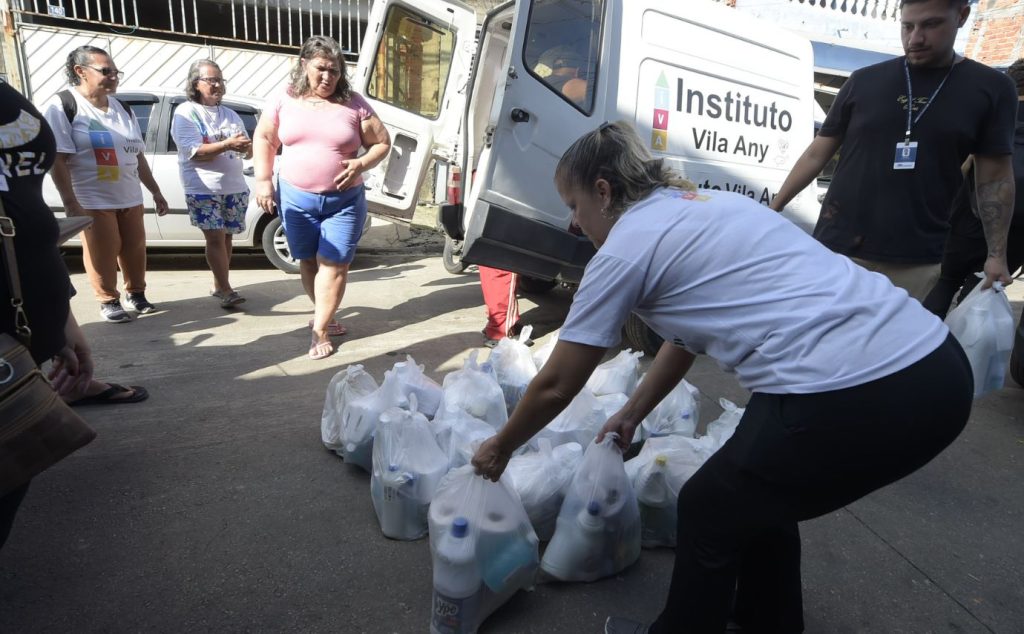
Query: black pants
x: 793, y: 458
x: 8, y: 509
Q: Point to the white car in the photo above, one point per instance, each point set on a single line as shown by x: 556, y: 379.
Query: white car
x: 154, y: 109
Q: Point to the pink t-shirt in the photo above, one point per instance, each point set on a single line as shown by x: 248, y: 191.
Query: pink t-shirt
x: 316, y: 141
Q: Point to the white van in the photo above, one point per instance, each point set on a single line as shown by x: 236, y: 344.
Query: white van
x: 726, y: 99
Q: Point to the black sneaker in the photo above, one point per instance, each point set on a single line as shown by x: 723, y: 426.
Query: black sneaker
x: 114, y: 313
x: 139, y: 303
x: 619, y: 625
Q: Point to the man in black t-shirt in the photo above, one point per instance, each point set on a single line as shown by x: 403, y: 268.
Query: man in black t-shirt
x: 903, y: 128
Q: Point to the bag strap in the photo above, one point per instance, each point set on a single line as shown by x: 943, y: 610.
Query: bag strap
x: 7, y: 233
x: 69, y: 105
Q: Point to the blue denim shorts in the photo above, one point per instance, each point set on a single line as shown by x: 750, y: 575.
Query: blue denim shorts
x: 327, y: 224
x: 213, y: 212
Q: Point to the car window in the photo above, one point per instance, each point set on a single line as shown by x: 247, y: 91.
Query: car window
x: 562, y: 46
x: 142, y: 110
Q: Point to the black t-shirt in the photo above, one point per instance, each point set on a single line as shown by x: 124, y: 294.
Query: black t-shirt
x: 27, y: 151
x: 879, y: 213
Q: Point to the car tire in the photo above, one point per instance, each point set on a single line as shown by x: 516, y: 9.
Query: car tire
x: 641, y: 337
x: 535, y: 285
x: 451, y: 256
x: 275, y: 247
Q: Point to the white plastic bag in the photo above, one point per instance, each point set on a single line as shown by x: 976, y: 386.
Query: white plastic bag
x: 540, y: 357
x: 347, y: 385
x: 458, y: 434
x: 722, y: 428
x: 677, y: 414
x: 983, y: 324
x: 580, y: 422
x: 541, y: 479
x: 619, y: 375
x: 407, y: 467
x: 474, y: 390
x: 598, y: 529
x: 413, y: 381
x: 359, y: 420
x: 611, y: 404
x: 513, y: 366
x: 658, y: 473
x: 482, y: 547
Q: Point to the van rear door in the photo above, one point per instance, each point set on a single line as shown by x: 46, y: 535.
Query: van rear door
x: 514, y: 218
x: 412, y: 70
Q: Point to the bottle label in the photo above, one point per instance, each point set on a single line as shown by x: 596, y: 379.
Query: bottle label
x: 452, y: 616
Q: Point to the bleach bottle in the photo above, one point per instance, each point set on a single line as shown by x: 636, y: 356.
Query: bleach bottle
x: 657, y: 506
x: 458, y: 587
x: 401, y: 515
x: 581, y: 551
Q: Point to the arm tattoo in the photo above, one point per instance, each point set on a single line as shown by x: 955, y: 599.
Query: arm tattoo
x: 995, y: 207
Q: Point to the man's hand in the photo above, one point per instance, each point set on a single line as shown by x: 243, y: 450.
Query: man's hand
x: 622, y: 425
x: 996, y: 271
x: 491, y: 459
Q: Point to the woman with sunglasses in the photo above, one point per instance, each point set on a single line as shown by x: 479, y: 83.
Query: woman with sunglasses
x: 211, y: 143
x: 99, y: 172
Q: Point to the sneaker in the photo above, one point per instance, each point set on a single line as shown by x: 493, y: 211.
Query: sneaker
x: 230, y: 299
x: 114, y: 313
x: 619, y: 625
x: 139, y: 303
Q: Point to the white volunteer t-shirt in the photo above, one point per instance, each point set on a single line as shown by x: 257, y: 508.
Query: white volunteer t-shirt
x: 194, y: 125
x: 105, y: 148
x: 720, y: 274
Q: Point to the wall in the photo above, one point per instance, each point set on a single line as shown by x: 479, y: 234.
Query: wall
x: 997, y: 37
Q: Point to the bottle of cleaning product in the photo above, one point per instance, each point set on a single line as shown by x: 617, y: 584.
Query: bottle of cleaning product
x: 400, y: 513
x: 578, y: 552
x: 457, y: 584
x: 657, y: 506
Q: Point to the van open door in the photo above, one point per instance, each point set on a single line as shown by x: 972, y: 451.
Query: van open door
x: 413, y: 69
x: 514, y: 218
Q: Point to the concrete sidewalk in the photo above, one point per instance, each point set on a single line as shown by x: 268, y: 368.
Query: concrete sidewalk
x: 213, y: 506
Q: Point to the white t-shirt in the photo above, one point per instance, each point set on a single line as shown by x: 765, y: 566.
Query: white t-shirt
x: 105, y: 148
x: 718, y: 273
x: 195, y: 124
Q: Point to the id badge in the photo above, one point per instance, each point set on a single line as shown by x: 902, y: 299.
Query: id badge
x: 906, y: 155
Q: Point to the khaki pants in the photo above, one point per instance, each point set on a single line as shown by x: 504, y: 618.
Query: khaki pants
x: 117, y: 237
x: 917, y: 279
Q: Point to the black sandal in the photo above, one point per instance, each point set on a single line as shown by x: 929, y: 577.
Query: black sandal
x: 108, y: 396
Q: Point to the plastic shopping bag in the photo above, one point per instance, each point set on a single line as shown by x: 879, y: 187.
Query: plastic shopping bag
x: 540, y: 357
x: 620, y: 375
x: 347, y: 385
x: 611, y: 404
x: 541, y: 479
x: 413, y: 381
x: 407, y: 467
x: 983, y: 324
x: 474, y: 390
x: 458, y: 434
x: 360, y: 418
x: 722, y: 428
x: 482, y: 547
x: 580, y: 422
x: 677, y: 414
x: 658, y: 473
x: 513, y: 366
x: 597, y: 533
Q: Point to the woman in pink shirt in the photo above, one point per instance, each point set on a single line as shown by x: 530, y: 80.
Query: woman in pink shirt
x: 322, y: 125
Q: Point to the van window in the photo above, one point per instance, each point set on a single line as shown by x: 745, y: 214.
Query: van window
x: 562, y: 45
x: 412, y: 63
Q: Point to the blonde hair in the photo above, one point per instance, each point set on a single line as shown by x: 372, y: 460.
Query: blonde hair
x: 615, y: 153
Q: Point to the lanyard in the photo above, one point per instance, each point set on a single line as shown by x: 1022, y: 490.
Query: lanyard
x: 911, y: 122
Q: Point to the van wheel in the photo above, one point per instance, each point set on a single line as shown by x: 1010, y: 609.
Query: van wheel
x: 275, y: 247
x: 535, y: 285
x: 641, y: 337
x: 451, y: 256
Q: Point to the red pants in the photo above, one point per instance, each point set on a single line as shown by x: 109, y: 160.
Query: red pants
x: 499, y: 289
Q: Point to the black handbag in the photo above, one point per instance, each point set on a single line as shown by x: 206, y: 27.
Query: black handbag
x: 37, y: 428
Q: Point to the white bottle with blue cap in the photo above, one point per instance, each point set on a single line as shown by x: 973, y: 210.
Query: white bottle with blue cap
x: 457, y: 584
x: 578, y: 551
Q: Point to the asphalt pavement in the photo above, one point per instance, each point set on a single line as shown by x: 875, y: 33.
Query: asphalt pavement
x: 213, y: 506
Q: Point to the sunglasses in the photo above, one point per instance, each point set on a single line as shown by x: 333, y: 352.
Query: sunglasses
x: 109, y: 72
x: 214, y: 81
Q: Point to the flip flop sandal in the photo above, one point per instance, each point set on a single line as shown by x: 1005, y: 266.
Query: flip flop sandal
x: 231, y: 299
x: 334, y: 329
x: 109, y: 396
x: 321, y: 350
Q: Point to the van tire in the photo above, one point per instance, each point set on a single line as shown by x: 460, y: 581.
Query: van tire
x: 275, y: 247
x: 451, y: 256
x: 535, y: 285
x: 641, y: 337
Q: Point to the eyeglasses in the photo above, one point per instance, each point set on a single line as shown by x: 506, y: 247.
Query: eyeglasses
x: 109, y: 72
x: 214, y: 81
